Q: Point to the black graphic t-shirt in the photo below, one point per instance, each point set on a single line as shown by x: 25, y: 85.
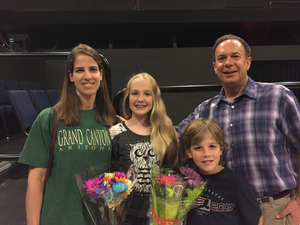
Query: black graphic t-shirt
x: 130, y: 148
x: 227, y: 200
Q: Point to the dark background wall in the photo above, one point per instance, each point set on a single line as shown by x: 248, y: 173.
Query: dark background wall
x: 170, y: 39
x: 179, y: 66
x: 44, y: 5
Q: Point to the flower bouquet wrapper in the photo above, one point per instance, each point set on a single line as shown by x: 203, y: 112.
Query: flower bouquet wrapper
x: 106, y: 194
x: 173, y: 195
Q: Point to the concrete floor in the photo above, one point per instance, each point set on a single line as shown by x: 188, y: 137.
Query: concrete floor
x: 12, y: 200
x: 13, y: 182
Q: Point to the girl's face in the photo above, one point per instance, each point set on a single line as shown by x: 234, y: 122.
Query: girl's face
x: 86, y: 77
x: 206, y: 154
x: 140, y: 97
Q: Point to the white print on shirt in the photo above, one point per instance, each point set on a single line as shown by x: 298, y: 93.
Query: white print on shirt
x: 204, y: 204
x: 208, y: 205
x: 77, y: 139
x: 143, y: 157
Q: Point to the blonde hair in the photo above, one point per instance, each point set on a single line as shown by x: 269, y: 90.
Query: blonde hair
x: 164, y: 138
x: 197, y: 129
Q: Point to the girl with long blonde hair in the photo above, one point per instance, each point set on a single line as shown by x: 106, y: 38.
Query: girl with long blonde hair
x: 147, y: 137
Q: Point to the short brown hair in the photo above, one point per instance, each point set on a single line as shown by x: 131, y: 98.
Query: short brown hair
x: 195, y: 131
x: 232, y: 37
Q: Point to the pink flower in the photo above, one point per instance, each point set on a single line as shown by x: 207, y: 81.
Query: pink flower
x: 91, y: 184
x: 120, y: 174
x: 167, y: 180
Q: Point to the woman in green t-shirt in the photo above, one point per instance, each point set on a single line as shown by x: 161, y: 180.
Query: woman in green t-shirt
x: 85, y: 113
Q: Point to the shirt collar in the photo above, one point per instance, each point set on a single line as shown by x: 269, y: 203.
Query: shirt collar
x: 250, y: 91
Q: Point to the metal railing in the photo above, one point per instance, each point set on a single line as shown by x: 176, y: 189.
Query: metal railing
x: 193, y: 88
x: 166, y: 89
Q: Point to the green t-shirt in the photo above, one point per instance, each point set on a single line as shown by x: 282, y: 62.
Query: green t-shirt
x: 76, y: 149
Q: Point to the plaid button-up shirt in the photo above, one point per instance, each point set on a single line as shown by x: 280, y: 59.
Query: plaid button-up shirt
x: 262, y: 129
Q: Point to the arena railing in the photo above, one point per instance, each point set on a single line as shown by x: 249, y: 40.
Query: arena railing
x: 166, y: 89
x: 193, y: 88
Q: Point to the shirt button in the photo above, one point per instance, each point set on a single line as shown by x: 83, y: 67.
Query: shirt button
x: 232, y: 106
x: 231, y: 125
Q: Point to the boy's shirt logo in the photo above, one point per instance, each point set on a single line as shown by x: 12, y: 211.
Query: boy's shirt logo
x: 207, y: 205
x: 203, y: 203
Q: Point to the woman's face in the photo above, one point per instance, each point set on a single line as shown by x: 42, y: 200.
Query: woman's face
x: 140, y: 97
x: 86, y: 77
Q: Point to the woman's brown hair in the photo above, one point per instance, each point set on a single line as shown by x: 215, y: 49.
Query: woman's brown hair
x: 69, y: 103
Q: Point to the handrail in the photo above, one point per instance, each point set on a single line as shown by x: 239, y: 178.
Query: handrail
x: 170, y: 89
x: 192, y: 88
x: 283, y: 2
x: 166, y: 89
x: 8, y: 157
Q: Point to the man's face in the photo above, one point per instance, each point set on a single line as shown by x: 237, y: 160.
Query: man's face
x: 231, y: 64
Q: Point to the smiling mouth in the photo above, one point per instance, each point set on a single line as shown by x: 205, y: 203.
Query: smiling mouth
x: 88, y: 84
x: 230, y: 72
x: 140, y: 106
x: 207, y: 161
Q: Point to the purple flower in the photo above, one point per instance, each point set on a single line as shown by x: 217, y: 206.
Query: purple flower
x: 157, y: 179
x: 194, y: 179
x: 103, y: 175
x: 101, y: 190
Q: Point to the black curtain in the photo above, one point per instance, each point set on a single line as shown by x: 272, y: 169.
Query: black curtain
x: 276, y: 71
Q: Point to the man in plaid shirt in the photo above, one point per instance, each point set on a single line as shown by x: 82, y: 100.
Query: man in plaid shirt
x: 261, y: 125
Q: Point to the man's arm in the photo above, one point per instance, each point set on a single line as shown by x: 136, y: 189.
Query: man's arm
x: 291, y: 109
x: 293, y: 207
x: 182, y: 125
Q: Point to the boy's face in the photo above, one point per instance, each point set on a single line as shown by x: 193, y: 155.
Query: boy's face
x: 206, y: 155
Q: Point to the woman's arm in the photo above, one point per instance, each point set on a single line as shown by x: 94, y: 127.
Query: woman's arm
x: 34, y: 194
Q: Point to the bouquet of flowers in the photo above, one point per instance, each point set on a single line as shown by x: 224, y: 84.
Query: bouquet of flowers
x: 107, y: 196
x: 173, y: 195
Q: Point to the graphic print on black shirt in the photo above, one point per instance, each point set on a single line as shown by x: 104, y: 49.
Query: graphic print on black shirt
x: 212, y: 201
x: 130, y: 148
x: 228, y: 199
x: 143, y: 157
